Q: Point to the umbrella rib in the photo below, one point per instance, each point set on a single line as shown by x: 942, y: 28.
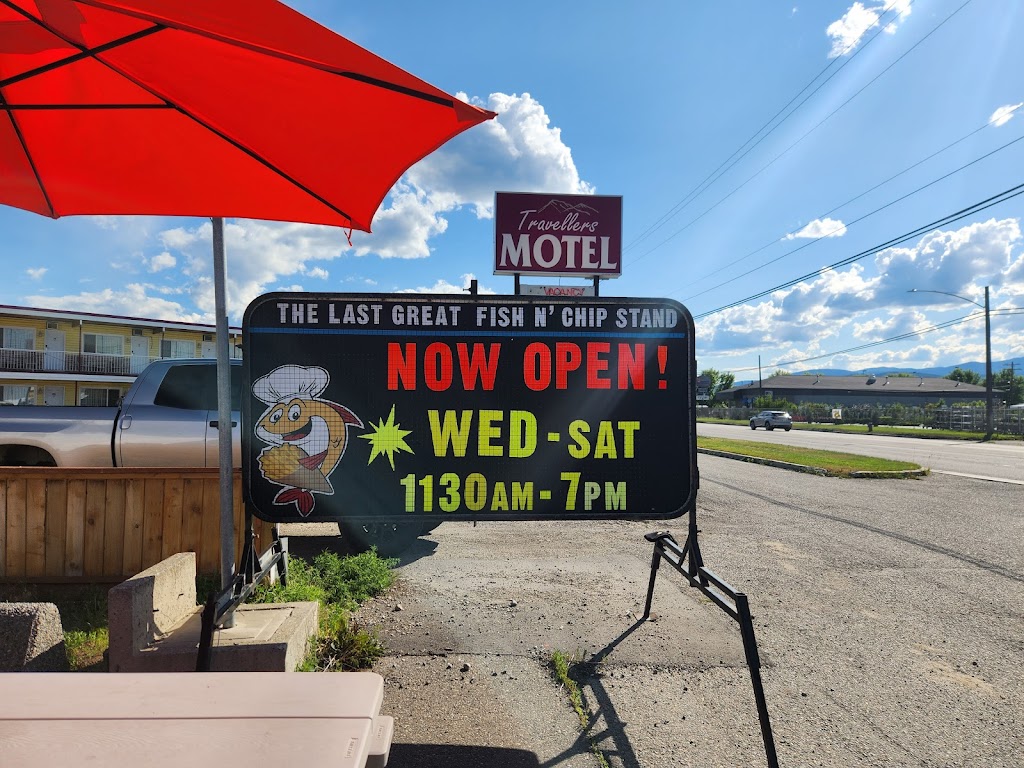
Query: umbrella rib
x: 149, y: 89
x: 404, y: 90
x: 386, y: 84
x: 8, y: 107
x: 84, y: 53
x: 28, y: 157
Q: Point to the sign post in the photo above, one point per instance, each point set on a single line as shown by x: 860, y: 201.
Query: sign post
x: 444, y: 407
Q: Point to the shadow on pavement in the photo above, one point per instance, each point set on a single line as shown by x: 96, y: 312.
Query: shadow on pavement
x: 458, y: 756
x: 308, y: 547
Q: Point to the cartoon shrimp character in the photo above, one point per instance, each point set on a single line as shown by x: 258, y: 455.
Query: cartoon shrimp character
x: 307, y: 435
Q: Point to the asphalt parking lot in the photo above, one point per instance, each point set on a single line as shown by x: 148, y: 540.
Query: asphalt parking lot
x: 888, y: 614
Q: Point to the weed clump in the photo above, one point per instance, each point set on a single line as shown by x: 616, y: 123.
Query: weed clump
x: 340, y: 585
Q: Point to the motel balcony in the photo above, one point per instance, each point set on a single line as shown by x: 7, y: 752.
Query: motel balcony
x: 35, y: 361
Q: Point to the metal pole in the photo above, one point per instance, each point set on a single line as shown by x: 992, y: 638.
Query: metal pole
x: 224, y: 441
x: 989, y: 425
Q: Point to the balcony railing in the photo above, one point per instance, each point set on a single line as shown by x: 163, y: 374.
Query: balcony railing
x: 34, y: 361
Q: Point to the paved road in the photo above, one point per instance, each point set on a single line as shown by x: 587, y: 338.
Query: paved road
x: 889, y: 615
x: 998, y: 460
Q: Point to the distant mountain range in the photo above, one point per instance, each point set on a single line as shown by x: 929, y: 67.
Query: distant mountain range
x: 938, y: 372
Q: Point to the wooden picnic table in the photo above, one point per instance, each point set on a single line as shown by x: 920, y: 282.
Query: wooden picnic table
x: 194, y: 720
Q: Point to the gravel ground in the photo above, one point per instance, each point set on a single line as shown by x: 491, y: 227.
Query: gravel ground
x: 888, y: 615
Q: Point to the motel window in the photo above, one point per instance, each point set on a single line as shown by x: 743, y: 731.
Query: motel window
x: 177, y: 349
x: 103, y: 344
x: 99, y: 396
x: 18, y: 338
x: 17, y: 395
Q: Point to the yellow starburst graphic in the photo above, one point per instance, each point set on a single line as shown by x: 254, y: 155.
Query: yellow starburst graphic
x: 387, y: 439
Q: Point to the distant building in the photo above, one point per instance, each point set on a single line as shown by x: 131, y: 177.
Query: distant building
x: 855, y: 390
x: 57, y: 357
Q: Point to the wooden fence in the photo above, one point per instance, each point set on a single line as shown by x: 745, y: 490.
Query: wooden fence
x: 100, y: 525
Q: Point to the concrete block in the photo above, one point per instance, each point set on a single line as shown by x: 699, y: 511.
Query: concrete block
x: 31, y: 638
x: 148, y: 606
x: 155, y: 625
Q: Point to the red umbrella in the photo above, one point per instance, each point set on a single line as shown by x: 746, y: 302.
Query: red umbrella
x: 230, y: 108
x: 200, y: 108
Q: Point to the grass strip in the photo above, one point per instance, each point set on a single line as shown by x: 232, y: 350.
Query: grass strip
x: 833, y: 462
x: 562, y: 666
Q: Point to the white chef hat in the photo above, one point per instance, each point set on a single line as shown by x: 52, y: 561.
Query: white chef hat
x: 290, y: 381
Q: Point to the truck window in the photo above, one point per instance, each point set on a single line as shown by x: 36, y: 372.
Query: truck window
x: 194, y: 387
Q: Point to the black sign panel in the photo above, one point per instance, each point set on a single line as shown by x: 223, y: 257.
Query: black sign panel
x: 467, y: 407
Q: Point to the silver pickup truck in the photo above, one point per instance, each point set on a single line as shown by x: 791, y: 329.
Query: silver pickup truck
x: 168, y: 418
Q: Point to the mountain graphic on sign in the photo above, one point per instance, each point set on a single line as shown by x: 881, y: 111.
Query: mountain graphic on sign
x: 563, y: 207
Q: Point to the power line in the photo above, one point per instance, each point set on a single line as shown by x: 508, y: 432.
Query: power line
x: 880, y: 342
x: 712, y: 177
x: 900, y: 337
x: 982, y: 205
x: 846, y: 226
x: 804, y: 136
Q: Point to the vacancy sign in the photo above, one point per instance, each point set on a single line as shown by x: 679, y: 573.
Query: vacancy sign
x: 558, y: 235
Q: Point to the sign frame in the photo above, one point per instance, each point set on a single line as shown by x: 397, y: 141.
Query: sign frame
x: 675, y: 469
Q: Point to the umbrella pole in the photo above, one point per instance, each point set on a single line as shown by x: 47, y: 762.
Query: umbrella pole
x: 224, y: 441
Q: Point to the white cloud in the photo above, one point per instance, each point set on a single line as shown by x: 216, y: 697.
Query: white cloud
x: 869, y: 301
x: 896, y: 323
x: 819, y: 228
x: 318, y: 272
x: 847, y: 32
x: 36, y: 273
x: 443, y: 286
x: 517, y: 151
x: 133, y: 301
x: 958, y: 261
x: 161, y: 262
x: 1002, y: 115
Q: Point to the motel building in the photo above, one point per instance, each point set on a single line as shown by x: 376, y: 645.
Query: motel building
x: 57, y: 357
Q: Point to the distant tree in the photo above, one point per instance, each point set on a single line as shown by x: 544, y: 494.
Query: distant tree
x: 719, y: 381
x: 779, y: 372
x: 964, y: 376
x: 1012, y: 385
x: 902, y: 375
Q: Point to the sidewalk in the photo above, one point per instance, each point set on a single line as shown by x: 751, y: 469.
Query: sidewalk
x: 471, y: 628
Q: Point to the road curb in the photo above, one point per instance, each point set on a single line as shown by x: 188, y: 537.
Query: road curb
x: 859, y: 475
x: 767, y: 462
x: 898, y: 474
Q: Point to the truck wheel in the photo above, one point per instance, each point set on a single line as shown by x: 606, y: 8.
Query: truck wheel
x: 390, y: 538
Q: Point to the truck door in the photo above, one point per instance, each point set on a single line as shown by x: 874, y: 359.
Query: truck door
x: 212, y: 429
x: 172, y: 430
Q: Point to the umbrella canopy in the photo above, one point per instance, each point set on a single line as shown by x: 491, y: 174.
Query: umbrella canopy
x: 195, y: 108
x: 206, y: 108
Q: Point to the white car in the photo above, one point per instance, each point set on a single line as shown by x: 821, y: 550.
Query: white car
x: 772, y: 419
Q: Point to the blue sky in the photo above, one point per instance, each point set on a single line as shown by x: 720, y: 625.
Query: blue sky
x: 662, y: 104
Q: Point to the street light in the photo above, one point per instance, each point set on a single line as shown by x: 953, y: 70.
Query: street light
x: 989, y: 422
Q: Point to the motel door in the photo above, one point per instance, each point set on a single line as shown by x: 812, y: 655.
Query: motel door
x: 53, y: 356
x: 53, y: 395
x: 140, y: 353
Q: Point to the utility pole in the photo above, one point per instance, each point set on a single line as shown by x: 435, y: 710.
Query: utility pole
x: 989, y: 422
